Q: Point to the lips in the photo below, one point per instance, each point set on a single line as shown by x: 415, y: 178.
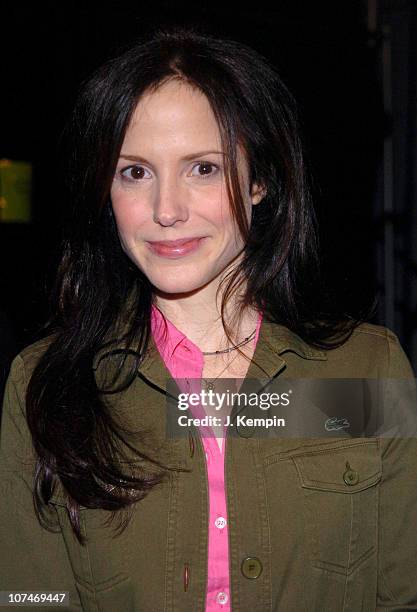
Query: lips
x: 175, y: 248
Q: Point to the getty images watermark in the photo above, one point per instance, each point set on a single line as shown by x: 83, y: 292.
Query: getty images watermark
x: 212, y: 400
x: 293, y: 408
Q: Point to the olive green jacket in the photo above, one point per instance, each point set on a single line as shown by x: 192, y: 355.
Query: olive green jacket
x: 319, y: 537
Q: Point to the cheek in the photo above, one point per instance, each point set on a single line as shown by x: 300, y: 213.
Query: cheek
x: 230, y: 230
x: 127, y: 212
x: 220, y: 215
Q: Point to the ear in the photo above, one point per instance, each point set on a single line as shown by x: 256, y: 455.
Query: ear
x: 258, y: 193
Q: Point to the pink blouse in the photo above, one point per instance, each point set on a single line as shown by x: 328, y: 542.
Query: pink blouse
x: 184, y: 360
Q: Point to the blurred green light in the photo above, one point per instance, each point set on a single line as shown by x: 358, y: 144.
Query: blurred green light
x: 15, y: 191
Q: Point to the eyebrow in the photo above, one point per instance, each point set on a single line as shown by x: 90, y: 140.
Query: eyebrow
x: 185, y: 158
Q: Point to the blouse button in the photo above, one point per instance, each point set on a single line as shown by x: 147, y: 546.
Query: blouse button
x: 220, y: 522
x: 222, y: 598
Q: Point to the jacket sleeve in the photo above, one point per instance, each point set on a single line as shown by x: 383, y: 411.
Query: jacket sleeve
x: 397, y: 554
x: 32, y: 558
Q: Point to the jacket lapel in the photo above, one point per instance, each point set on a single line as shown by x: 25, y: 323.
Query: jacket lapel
x: 267, y: 362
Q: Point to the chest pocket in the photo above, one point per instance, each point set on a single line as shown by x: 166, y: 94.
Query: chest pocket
x: 340, y: 503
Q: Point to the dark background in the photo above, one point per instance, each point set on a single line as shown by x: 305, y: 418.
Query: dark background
x: 351, y: 65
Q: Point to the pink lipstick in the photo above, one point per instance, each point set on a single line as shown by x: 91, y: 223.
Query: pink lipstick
x: 175, y: 248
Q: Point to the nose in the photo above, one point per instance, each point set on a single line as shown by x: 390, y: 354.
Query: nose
x: 170, y: 203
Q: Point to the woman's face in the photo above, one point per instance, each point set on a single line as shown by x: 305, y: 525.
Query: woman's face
x: 169, y: 193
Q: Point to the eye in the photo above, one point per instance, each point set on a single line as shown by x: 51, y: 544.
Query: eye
x: 205, y: 169
x: 134, y: 173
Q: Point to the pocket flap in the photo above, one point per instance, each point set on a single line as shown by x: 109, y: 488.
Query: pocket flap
x: 345, y: 468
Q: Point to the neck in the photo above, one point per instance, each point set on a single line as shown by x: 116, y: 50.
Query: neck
x: 197, y: 315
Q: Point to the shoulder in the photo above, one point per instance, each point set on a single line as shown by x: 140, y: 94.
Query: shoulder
x: 374, y: 349
x: 14, y: 433
x: 26, y: 360
x: 15, y: 441
x: 370, y: 351
x: 372, y: 337
x: 371, y: 331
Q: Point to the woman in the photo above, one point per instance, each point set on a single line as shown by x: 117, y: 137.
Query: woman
x: 191, y: 255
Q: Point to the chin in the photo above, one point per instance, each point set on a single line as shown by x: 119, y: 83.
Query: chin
x: 177, y: 288
x: 174, y: 285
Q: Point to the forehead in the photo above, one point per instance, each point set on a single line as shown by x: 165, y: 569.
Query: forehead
x: 175, y: 120
x: 175, y: 109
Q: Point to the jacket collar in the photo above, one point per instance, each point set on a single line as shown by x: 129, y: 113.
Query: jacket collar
x: 273, y: 342
x: 268, y: 360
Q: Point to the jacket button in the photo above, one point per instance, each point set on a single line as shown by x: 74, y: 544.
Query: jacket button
x: 251, y: 567
x: 351, y: 477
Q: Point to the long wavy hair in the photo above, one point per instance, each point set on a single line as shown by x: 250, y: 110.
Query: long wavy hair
x: 100, y: 296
